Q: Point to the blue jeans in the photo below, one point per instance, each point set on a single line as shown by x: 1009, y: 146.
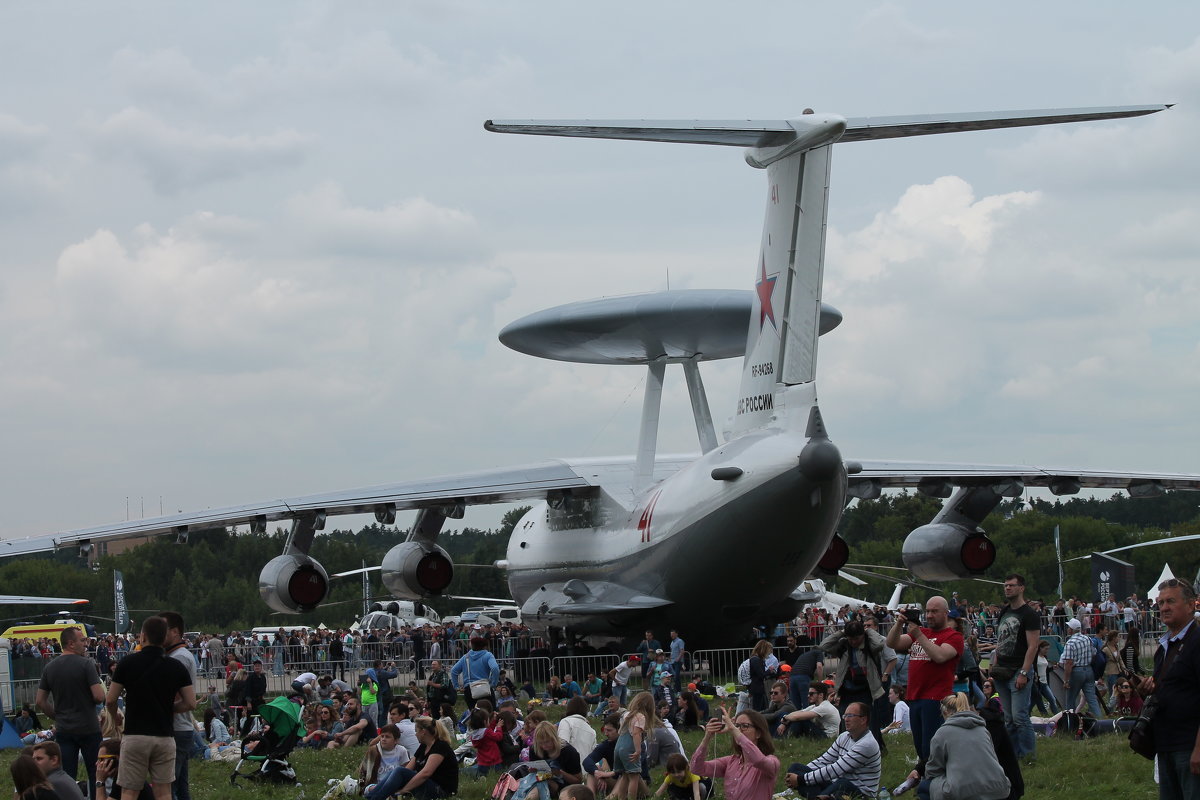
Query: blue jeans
x: 798, y: 690
x: 73, y: 745
x: 1175, y: 778
x: 925, y: 717
x: 1016, y: 715
x: 923, y: 789
x: 397, y: 780
x: 622, y: 692
x: 180, y: 790
x: 1042, y: 692
x: 1083, y: 679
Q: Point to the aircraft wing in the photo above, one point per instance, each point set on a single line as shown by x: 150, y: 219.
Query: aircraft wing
x: 512, y: 484
x: 26, y: 600
x: 930, y: 477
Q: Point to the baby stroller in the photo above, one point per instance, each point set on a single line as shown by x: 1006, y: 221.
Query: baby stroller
x: 266, y: 752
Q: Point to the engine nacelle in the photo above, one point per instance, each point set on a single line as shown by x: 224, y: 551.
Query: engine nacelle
x: 946, y: 552
x: 416, y: 570
x: 293, y: 583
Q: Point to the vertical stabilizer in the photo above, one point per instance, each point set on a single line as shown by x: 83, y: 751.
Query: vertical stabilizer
x: 781, y: 343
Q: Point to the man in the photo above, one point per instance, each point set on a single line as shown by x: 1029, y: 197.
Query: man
x: 808, y: 668
x: 571, y: 686
x: 778, y: 707
x: 49, y: 758
x: 357, y: 727
x: 184, y: 725
x: 645, y: 651
x: 933, y: 653
x: 593, y: 690
x: 438, y: 687
x: 328, y: 686
x: 1077, y: 670
x: 819, y: 720
x: 256, y: 692
x: 677, y: 646
x: 1109, y: 609
x: 307, y: 684
x: 1176, y: 688
x: 1017, y: 639
x: 859, y: 676
x: 72, y: 681
x: 620, y: 675
x: 155, y: 686
x: 850, y: 767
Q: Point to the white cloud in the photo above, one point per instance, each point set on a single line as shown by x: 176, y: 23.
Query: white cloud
x: 175, y: 158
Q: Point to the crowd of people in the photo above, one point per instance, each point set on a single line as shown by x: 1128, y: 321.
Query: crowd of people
x: 962, y: 680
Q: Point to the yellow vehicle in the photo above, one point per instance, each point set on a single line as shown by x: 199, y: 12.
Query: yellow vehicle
x: 48, y: 630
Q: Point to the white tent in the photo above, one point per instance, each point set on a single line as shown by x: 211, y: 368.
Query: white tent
x: 1152, y: 592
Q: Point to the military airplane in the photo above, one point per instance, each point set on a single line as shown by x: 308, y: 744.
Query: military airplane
x: 707, y: 544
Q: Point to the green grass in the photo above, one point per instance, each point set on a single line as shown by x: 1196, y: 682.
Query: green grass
x: 1065, y: 769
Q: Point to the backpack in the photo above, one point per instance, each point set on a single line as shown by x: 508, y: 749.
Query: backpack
x: 1099, y: 660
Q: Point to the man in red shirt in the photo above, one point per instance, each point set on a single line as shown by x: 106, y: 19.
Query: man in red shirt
x: 933, y: 653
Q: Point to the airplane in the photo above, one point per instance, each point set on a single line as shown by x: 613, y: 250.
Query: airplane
x: 833, y: 602
x: 707, y: 544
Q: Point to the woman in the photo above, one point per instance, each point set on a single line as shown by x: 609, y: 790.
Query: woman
x: 108, y: 763
x: 1131, y: 656
x: 688, y: 716
x: 566, y: 767
x: 26, y: 721
x: 991, y: 696
x: 1041, y: 692
x: 432, y: 772
x: 899, y: 723
x: 962, y: 764
x: 28, y: 780
x: 217, y: 733
x: 321, y: 727
x: 1112, y: 663
x: 758, y: 674
x: 574, y: 729
x: 751, y: 771
x: 1124, y: 701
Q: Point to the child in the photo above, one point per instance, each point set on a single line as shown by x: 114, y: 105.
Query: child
x: 484, y: 733
x: 680, y: 783
x: 383, y: 756
x: 627, y: 758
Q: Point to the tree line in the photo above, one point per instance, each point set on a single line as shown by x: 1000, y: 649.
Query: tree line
x: 213, y: 577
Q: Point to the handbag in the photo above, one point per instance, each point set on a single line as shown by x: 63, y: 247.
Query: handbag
x: 477, y: 688
x: 1141, y: 735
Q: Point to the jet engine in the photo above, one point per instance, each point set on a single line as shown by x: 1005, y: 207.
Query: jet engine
x: 415, y: 570
x: 293, y: 583
x: 943, y: 551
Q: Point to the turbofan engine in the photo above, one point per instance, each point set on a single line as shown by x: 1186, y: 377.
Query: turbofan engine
x: 946, y: 552
x: 293, y: 583
x: 416, y: 570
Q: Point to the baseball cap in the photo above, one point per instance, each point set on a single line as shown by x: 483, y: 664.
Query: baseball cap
x: 658, y: 652
x: 785, y: 668
x: 1073, y: 624
x: 635, y: 658
x: 691, y: 687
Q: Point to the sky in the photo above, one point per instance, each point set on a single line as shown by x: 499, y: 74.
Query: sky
x: 257, y: 250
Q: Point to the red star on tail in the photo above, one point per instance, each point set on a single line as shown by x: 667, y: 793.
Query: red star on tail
x: 765, y: 287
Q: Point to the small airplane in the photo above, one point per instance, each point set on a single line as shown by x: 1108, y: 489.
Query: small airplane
x: 707, y: 544
x: 833, y: 602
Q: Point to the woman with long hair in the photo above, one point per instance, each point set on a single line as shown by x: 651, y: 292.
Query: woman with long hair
x: 1124, y: 701
x: 688, y: 715
x: 29, y: 782
x: 751, y: 770
x: 1112, y: 660
x: 432, y: 773
x: 1131, y: 655
x: 758, y: 674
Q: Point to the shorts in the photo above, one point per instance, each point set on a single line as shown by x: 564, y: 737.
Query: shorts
x: 146, y: 758
x: 623, y: 756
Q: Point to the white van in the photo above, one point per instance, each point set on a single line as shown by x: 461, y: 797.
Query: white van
x: 503, y: 614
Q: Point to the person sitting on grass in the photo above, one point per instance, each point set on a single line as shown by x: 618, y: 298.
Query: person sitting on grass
x: 484, y: 732
x: 383, y: 755
x: 680, y: 783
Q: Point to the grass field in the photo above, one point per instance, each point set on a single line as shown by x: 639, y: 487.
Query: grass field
x: 1065, y: 770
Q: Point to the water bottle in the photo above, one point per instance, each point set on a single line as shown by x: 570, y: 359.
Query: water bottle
x: 884, y: 794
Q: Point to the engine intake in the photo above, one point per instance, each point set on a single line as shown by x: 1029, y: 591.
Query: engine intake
x: 416, y: 570
x: 947, y: 552
x: 293, y: 583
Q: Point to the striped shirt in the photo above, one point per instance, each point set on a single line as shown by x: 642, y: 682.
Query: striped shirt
x: 1078, y: 651
x: 855, y: 760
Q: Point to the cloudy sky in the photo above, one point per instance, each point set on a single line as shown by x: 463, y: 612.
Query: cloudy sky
x: 252, y: 250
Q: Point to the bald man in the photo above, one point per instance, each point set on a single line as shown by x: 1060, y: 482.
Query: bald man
x: 933, y: 653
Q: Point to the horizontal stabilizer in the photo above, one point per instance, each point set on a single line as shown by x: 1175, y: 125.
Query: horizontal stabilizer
x: 776, y: 132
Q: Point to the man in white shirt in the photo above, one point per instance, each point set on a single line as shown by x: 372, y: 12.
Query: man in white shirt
x: 820, y: 720
x: 620, y: 678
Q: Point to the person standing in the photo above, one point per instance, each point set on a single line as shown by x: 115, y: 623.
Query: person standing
x: 1077, y: 670
x: 934, y: 651
x: 860, y: 673
x: 677, y: 646
x: 256, y: 692
x: 155, y: 687
x: 184, y: 724
x: 645, y: 650
x: 1176, y: 689
x: 1017, y: 638
x: 74, y: 684
x: 477, y: 673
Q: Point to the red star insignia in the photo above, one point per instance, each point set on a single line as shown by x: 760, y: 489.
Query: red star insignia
x: 765, y: 287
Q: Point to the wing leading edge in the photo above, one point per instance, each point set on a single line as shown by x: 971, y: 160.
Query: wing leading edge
x: 868, y: 477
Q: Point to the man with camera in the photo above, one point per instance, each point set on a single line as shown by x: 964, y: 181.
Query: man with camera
x: 933, y: 652
x: 1175, y: 724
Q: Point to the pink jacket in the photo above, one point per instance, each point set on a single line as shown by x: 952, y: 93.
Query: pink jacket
x: 750, y: 776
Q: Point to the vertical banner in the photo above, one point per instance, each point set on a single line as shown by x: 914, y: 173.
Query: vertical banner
x: 121, y: 610
x: 1058, y: 554
x: 1111, y: 576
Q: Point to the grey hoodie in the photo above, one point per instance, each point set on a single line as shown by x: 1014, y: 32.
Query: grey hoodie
x: 962, y: 762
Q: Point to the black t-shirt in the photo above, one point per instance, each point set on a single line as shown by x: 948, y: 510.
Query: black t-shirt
x: 806, y: 664
x: 151, y: 680
x: 445, y: 774
x: 568, y: 760
x: 1011, y: 643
